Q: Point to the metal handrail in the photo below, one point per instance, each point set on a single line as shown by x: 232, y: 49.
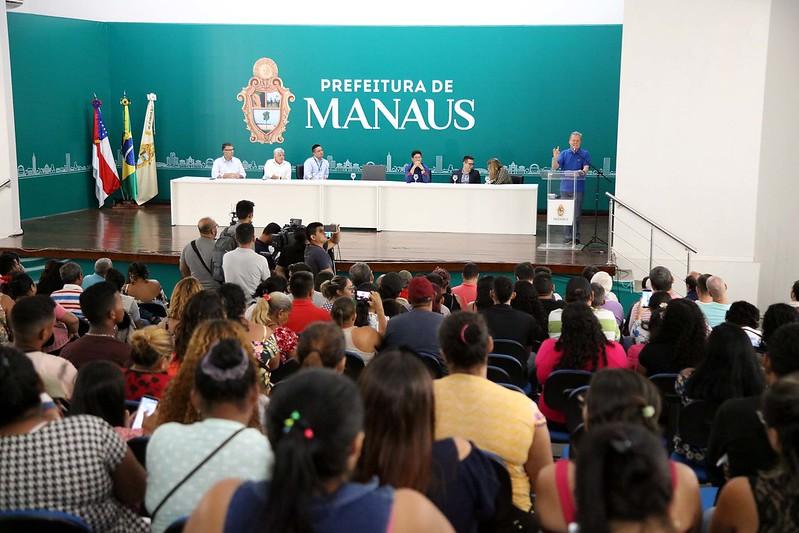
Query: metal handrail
x: 652, y: 223
x: 5, y: 184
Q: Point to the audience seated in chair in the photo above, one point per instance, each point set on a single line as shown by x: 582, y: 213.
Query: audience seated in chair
x: 77, y: 465
x: 417, y: 329
x: 505, y: 322
x: 578, y: 290
x: 141, y: 287
x: 466, y: 292
x: 657, y: 309
x: 225, y: 393
x: 32, y: 320
x: 322, y: 345
x: 660, y: 279
x: 181, y: 294
x: 272, y: 310
x: 50, y: 278
x: 303, y: 311
x: 615, y: 396
x: 747, y: 317
x: 545, y: 289
x: 205, y: 305
x: 717, y: 308
x: 399, y: 447
x: 352, y: 317
x: 582, y: 345
x: 738, y: 430
x: 768, y: 500
x: 102, y: 306
x: 498, y: 420
x: 151, y: 350
x: 728, y: 370
x: 775, y: 316
x: 69, y: 295
x: 129, y: 304
x: 65, y: 327
x: 100, y: 391
x: 679, y: 341
x: 101, y: 268
x: 177, y: 406
x: 315, y: 426
x: 336, y: 287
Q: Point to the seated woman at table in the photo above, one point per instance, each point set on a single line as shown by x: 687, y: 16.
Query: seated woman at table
x: 416, y: 170
x: 497, y: 173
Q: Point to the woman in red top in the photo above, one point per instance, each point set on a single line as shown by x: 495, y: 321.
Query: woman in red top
x: 151, y: 349
x: 581, y: 346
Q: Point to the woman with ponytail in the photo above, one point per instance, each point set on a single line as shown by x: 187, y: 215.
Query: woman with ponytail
x: 615, y: 396
x: 185, y: 460
x: 497, y: 420
x: 768, y: 501
x: 625, y: 483
x: 315, y: 425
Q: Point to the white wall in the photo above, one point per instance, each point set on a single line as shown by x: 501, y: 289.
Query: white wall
x: 341, y: 12
x: 691, y: 128
x: 778, y: 191
x: 9, y: 195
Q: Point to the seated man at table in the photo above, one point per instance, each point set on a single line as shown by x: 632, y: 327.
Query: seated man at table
x: 467, y: 173
x: 416, y: 170
x: 277, y: 168
x: 227, y: 166
x: 316, y: 167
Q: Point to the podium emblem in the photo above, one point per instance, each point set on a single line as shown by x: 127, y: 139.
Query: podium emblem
x: 265, y: 103
x: 561, y: 210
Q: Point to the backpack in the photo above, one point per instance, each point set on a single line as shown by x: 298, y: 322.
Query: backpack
x: 225, y: 243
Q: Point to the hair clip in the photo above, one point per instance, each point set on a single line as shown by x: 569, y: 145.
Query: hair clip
x: 266, y: 297
x: 219, y: 374
x: 648, y: 411
x: 621, y: 446
x: 289, y: 422
x: 463, y: 334
x: 663, y: 305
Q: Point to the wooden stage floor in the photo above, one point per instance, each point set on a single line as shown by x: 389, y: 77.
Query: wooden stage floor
x: 146, y: 235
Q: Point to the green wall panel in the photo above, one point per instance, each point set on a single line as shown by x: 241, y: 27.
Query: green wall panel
x: 531, y: 87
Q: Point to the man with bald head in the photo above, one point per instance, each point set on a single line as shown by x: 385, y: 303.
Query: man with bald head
x: 717, y: 308
x: 195, y: 259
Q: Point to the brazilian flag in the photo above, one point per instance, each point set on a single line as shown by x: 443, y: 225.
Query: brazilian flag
x: 128, y: 176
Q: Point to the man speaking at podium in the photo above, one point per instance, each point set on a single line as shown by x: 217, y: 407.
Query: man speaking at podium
x: 575, y: 158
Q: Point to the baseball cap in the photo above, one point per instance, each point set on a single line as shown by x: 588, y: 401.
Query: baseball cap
x: 420, y: 290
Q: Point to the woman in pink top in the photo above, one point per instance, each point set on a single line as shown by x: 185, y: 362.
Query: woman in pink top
x: 581, y: 346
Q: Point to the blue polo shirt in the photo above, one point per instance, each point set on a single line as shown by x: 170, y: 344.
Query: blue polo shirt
x: 571, y: 160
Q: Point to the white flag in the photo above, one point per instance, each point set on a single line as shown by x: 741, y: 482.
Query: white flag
x: 146, y: 177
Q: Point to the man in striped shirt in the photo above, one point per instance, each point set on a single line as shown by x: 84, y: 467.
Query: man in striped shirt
x: 69, y: 296
x: 579, y: 290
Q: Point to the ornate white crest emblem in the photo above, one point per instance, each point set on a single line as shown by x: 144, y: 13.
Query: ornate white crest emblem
x: 265, y: 103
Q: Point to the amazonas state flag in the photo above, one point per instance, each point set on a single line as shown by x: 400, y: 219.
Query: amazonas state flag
x: 106, y: 179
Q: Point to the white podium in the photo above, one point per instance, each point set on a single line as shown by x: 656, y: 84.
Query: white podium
x: 560, y: 211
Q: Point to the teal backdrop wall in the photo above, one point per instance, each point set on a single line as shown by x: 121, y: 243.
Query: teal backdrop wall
x: 530, y: 86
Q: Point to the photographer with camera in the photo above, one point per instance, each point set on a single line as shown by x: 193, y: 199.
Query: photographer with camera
x: 289, y: 244
x: 265, y: 244
x: 226, y: 242
x: 319, y: 251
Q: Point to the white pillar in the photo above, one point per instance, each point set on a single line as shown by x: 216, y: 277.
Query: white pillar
x: 694, y: 117
x: 9, y: 194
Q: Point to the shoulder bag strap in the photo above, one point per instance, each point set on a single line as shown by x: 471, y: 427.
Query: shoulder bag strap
x: 194, y: 470
x: 200, y: 257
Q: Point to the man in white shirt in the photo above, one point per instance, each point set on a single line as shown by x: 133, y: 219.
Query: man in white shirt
x: 227, y: 166
x: 243, y: 265
x: 277, y: 168
x: 316, y: 167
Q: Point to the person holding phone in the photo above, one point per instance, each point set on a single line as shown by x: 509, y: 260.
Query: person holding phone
x: 318, y: 250
x: 416, y: 171
x: 359, y: 336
